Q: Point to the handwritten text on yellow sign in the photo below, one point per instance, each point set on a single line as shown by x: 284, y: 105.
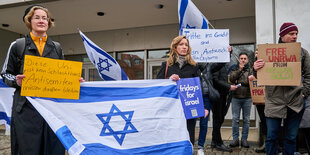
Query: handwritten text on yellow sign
x: 51, y: 78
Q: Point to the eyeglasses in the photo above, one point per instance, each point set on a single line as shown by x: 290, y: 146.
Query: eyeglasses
x: 37, y: 18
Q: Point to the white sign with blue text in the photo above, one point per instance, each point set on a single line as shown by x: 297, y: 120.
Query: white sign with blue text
x: 209, y: 45
x: 191, y: 97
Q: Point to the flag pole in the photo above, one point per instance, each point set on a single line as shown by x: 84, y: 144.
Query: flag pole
x: 210, y: 24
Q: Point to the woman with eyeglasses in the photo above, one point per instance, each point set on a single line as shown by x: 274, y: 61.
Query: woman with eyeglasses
x: 30, y: 133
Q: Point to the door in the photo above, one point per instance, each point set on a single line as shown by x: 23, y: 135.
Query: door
x: 154, y: 68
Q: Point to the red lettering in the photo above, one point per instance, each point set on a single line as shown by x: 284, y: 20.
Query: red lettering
x: 258, y: 92
x: 282, y: 51
x: 268, y: 50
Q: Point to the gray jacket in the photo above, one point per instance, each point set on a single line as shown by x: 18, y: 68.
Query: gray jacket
x: 279, y: 98
x: 305, y: 122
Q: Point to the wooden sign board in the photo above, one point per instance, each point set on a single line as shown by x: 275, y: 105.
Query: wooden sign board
x: 257, y: 92
x: 51, y: 78
x: 282, y: 64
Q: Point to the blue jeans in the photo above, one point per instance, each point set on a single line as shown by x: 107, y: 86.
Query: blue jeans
x: 291, y: 126
x: 238, y: 104
x: 203, y: 124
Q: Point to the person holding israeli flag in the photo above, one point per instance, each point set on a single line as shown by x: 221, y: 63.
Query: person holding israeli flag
x: 30, y: 133
x: 181, y: 64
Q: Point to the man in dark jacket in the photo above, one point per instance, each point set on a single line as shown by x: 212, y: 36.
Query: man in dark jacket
x: 219, y: 108
x: 286, y: 102
x: 241, y: 100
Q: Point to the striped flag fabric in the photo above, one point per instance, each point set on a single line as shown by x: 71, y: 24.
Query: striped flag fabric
x: 190, y: 17
x: 107, y: 66
x: 119, y: 117
x: 6, y: 102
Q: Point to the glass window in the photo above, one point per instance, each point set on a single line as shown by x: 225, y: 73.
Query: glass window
x: 83, y: 74
x: 93, y: 75
x: 132, y: 63
x: 237, y: 49
x: 157, y: 54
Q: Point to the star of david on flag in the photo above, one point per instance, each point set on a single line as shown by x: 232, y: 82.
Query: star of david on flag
x: 107, y: 129
x: 190, y: 17
x: 107, y: 66
x: 142, y: 117
x: 103, y: 65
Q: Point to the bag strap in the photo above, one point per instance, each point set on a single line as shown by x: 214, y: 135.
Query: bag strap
x: 166, y: 69
x: 20, y: 47
x: 58, y: 49
x: 20, y: 42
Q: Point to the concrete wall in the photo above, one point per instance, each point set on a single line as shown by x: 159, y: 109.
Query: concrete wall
x: 6, y: 37
x: 271, y: 14
x: 242, y: 30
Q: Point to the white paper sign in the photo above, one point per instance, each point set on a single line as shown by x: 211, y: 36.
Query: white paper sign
x: 209, y: 45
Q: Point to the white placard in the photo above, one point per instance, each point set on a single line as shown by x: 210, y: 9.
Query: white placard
x: 209, y: 45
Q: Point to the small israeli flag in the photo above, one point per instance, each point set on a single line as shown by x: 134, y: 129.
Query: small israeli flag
x: 142, y: 117
x: 190, y: 17
x: 6, y: 101
x: 107, y: 66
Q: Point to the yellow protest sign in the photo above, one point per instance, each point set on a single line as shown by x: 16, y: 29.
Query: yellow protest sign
x: 51, y: 78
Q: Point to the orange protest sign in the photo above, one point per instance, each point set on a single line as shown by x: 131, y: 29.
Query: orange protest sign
x: 51, y: 78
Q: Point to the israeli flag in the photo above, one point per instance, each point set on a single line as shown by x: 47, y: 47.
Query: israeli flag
x: 190, y: 17
x: 107, y: 66
x: 119, y: 117
x: 6, y: 101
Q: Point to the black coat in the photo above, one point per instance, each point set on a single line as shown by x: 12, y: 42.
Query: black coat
x: 187, y: 71
x: 220, y: 81
x: 14, y: 65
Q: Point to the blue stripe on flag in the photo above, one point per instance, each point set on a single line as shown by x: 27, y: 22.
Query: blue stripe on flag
x: 66, y: 137
x: 5, y: 117
x: 124, y: 75
x: 2, y: 84
x: 97, y: 94
x: 99, y: 50
x: 204, y: 23
x: 180, y: 148
x: 183, y: 7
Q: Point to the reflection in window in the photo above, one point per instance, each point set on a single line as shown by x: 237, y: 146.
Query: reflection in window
x: 237, y: 49
x: 157, y: 54
x: 155, y: 71
x: 132, y: 63
x: 93, y: 75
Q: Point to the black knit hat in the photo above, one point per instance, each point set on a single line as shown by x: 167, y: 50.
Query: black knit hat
x: 28, y: 10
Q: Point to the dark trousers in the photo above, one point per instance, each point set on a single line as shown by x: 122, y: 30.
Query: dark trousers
x: 291, y: 126
x: 260, y: 109
x: 191, y: 124
x: 203, y: 124
x: 306, y: 132
x: 218, y: 111
x: 31, y: 135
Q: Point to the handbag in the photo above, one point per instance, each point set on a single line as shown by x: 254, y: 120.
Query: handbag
x: 213, y: 94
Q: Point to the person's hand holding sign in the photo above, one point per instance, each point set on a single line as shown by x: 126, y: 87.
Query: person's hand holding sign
x: 174, y: 77
x: 258, y: 64
x: 19, y: 79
